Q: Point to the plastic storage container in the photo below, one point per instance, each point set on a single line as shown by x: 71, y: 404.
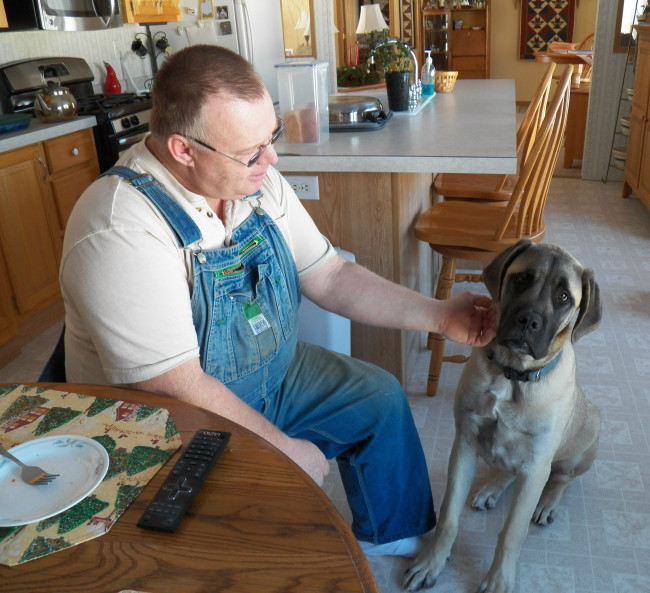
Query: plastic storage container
x: 303, y: 89
x: 14, y: 122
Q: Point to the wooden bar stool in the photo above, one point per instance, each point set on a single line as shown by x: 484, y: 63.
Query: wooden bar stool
x: 478, y: 231
x: 495, y: 187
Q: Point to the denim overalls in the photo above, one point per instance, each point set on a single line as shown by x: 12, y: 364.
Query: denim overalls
x: 245, y: 308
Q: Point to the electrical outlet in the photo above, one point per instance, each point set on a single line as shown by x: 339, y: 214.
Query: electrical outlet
x: 305, y: 186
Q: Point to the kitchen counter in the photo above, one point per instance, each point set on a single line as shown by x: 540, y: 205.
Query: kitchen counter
x: 373, y: 185
x: 470, y: 130
x: 38, y: 132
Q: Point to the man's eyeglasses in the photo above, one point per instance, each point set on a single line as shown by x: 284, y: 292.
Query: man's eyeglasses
x: 279, y: 128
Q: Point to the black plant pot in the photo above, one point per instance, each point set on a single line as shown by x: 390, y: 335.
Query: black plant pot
x: 397, y: 88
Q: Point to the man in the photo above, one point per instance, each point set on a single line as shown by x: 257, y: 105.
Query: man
x: 190, y: 286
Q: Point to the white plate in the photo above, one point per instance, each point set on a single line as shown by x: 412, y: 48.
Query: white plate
x: 80, y: 462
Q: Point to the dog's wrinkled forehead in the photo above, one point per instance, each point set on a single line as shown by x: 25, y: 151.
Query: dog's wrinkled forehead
x: 549, y: 264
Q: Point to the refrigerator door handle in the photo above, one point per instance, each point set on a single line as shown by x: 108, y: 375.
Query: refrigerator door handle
x: 249, y: 33
x: 248, y: 30
x: 242, y: 22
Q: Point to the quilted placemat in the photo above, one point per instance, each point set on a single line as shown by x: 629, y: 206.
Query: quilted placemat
x: 139, y: 440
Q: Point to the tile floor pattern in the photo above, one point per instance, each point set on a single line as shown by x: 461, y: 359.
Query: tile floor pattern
x: 600, y: 542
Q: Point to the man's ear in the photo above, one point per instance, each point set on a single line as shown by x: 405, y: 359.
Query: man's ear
x: 180, y: 150
x: 591, y: 308
x: 495, y: 271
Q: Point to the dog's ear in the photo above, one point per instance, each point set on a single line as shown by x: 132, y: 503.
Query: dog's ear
x: 495, y: 271
x: 591, y: 307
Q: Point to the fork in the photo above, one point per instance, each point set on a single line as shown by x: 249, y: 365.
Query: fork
x: 31, y: 474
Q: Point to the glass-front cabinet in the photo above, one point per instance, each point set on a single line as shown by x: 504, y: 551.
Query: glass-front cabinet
x: 436, y: 37
x: 458, y: 34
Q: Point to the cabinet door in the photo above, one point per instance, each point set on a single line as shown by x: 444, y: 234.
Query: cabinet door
x: 25, y: 236
x: 635, y: 147
x: 8, y: 326
x: 67, y: 188
x: 3, y: 16
x: 641, y: 96
x: 644, y: 169
x: 638, y: 144
x: 151, y: 11
x: 72, y: 162
x: 436, y: 38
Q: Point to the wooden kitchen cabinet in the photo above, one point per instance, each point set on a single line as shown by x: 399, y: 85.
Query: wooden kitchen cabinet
x: 8, y: 323
x: 26, y: 238
x: 151, y: 11
x: 637, y: 164
x: 72, y: 164
x: 39, y: 185
x: 3, y: 16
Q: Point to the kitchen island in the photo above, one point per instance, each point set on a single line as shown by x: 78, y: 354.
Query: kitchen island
x: 372, y: 186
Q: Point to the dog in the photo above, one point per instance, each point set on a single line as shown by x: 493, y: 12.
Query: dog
x: 519, y: 407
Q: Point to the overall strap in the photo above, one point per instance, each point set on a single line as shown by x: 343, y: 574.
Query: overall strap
x: 185, y: 228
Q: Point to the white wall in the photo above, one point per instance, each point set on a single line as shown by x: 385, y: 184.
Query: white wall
x: 94, y: 46
x: 606, y: 87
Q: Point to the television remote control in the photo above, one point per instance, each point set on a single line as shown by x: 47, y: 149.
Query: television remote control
x: 171, y: 502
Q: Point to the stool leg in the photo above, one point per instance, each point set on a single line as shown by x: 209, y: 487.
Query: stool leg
x: 437, y: 341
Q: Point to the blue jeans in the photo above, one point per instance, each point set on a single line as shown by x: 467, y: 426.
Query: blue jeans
x: 245, y: 302
x: 358, y: 413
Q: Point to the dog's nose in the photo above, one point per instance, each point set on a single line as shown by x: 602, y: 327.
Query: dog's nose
x: 529, y: 321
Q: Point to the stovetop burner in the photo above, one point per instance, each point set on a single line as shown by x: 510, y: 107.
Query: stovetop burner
x: 114, y: 105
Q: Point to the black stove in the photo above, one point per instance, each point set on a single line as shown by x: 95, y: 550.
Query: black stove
x: 113, y: 106
x: 122, y: 120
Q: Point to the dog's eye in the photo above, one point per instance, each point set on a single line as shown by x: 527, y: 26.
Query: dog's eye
x: 563, y: 296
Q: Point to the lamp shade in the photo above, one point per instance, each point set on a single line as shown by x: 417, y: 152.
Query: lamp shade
x: 371, y: 19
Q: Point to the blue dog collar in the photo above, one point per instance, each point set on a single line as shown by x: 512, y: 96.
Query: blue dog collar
x: 526, y: 376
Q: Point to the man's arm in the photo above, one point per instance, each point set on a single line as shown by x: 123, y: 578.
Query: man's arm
x: 358, y: 294
x: 187, y: 382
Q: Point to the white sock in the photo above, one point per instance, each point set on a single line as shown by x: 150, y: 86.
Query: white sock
x: 409, y: 547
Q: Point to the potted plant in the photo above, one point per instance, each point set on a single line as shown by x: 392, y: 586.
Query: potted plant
x: 392, y: 58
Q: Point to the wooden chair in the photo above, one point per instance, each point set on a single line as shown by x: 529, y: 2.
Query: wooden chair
x: 477, y: 231
x: 496, y: 187
x: 586, y: 43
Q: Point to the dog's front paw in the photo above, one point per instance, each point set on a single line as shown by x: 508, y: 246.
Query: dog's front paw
x: 417, y: 578
x: 498, y: 581
x: 424, y: 572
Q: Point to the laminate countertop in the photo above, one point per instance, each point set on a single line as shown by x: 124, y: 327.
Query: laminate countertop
x: 470, y: 130
x: 38, y: 131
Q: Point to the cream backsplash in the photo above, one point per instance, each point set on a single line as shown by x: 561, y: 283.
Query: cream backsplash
x: 94, y: 46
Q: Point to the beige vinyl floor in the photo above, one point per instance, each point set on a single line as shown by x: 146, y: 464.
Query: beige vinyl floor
x: 600, y: 542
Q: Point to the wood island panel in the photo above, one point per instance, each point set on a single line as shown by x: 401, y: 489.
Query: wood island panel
x: 372, y: 216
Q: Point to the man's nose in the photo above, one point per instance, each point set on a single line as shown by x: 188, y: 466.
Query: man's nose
x: 269, y: 155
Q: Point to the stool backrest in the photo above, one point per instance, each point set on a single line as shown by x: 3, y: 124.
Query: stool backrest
x: 529, y: 194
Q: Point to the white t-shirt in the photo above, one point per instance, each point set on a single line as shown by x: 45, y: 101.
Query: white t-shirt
x: 127, y: 284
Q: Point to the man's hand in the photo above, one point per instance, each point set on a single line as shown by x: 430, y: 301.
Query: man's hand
x: 467, y: 318
x: 309, y: 457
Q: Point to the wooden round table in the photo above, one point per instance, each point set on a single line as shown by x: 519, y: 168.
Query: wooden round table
x: 258, y: 524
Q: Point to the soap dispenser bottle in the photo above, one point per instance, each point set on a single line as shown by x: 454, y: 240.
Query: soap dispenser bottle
x: 428, y: 76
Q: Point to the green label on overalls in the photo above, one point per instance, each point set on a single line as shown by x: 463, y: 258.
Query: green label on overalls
x: 255, y: 318
x: 251, y: 245
x: 230, y: 271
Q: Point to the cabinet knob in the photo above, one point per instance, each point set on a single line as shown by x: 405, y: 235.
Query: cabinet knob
x: 75, y: 151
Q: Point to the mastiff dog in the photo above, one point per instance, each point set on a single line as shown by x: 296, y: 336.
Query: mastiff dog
x: 518, y: 406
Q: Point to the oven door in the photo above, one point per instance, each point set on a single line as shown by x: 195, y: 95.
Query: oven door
x: 78, y: 15
x: 123, y: 143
